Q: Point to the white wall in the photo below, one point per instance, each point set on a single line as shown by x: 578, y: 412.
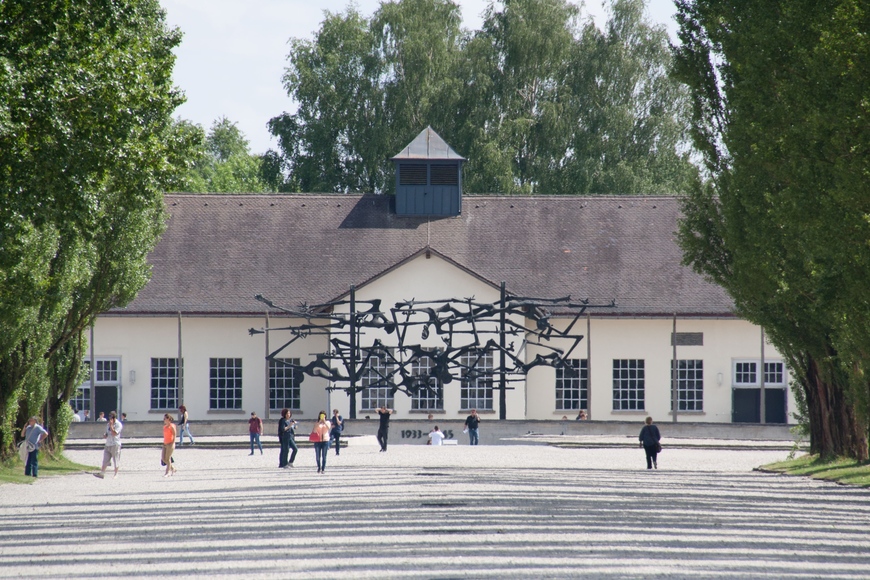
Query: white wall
x: 649, y: 339
x: 135, y: 340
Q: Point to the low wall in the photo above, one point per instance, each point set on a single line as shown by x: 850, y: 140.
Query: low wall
x: 491, y: 432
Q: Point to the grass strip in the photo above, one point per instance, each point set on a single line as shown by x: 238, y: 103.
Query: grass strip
x: 13, y: 471
x: 841, y: 470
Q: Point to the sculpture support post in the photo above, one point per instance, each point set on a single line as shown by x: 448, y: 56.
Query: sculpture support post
x: 351, y: 392
x: 502, y: 378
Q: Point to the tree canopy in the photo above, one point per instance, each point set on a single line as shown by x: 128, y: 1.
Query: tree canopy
x: 87, y: 147
x: 223, y: 163
x: 779, y: 91
x: 536, y: 100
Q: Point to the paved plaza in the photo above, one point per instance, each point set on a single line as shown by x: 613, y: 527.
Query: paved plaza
x: 505, y: 511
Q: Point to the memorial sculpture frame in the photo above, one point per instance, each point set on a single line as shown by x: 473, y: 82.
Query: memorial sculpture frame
x: 469, y: 330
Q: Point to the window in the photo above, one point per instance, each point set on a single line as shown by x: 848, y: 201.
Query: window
x: 283, y: 386
x: 774, y: 373
x: 429, y: 396
x: 165, y: 379
x: 690, y: 385
x: 745, y: 373
x: 376, y: 382
x: 476, y: 386
x: 107, y: 372
x: 628, y: 385
x: 225, y: 383
x: 571, y: 385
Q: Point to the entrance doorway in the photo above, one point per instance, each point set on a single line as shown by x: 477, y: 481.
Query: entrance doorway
x: 746, y: 405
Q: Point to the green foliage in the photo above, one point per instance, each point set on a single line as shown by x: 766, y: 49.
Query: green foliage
x: 222, y: 162
x: 537, y: 103
x: 780, y: 114
x: 87, y: 147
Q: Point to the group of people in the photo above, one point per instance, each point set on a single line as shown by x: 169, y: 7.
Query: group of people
x: 324, y: 434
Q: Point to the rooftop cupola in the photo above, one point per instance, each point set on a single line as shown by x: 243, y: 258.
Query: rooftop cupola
x: 428, y: 177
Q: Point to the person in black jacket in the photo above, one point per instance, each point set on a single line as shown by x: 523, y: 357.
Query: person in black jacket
x: 287, y: 437
x: 649, y: 438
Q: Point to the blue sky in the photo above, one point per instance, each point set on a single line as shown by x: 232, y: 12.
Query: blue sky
x: 234, y: 52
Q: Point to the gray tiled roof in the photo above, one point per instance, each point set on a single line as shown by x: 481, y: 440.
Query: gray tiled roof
x: 221, y: 250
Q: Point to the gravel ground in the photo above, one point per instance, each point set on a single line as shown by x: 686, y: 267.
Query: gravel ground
x: 507, y: 511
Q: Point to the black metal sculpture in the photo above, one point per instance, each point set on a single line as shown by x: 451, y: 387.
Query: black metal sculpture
x: 469, y: 331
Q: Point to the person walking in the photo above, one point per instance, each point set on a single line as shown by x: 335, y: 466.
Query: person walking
x: 472, y: 423
x: 649, y: 439
x: 320, y: 437
x: 112, y: 450
x: 384, y: 428
x: 337, y: 428
x: 183, y: 425
x: 287, y: 438
x: 436, y: 436
x: 169, y: 434
x: 34, y: 434
x: 255, y: 428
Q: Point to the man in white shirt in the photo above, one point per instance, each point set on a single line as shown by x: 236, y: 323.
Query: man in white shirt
x: 112, y: 452
x: 436, y: 436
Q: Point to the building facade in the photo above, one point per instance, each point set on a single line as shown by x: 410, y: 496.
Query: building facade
x: 185, y: 338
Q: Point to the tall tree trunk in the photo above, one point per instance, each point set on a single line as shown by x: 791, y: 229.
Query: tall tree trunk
x: 835, y: 429
x: 64, y: 367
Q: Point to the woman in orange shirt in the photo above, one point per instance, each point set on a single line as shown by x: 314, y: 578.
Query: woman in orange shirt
x: 169, y: 434
x: 321, y: 440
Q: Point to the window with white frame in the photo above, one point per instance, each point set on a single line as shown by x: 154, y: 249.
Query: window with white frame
x: 774, y: 373
x: 284, y: 390
x: 572, y: 382
x: 225, y: 384
x: 165, y: 380
x: 628, y: 385
x: 746, y: 373
x: 476, y: 383
x: 107, y: 375
x: 429, y: 395
x: 376, y: 380
x: 690, y: 385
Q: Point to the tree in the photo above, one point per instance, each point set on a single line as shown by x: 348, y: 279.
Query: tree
x: 536, y: 103
x: 87, y: 146
x: 223, y: 162
x: 779, y: 92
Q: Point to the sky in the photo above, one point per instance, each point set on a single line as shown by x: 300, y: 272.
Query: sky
x: 234, y: 53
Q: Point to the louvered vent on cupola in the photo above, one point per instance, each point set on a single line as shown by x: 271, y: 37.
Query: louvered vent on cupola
x: 428, y: 177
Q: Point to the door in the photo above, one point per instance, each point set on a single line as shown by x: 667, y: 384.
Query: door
x: 106, y: 398
x: 746, y: 406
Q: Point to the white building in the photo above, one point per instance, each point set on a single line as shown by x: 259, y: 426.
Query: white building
x: 219, y: 251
